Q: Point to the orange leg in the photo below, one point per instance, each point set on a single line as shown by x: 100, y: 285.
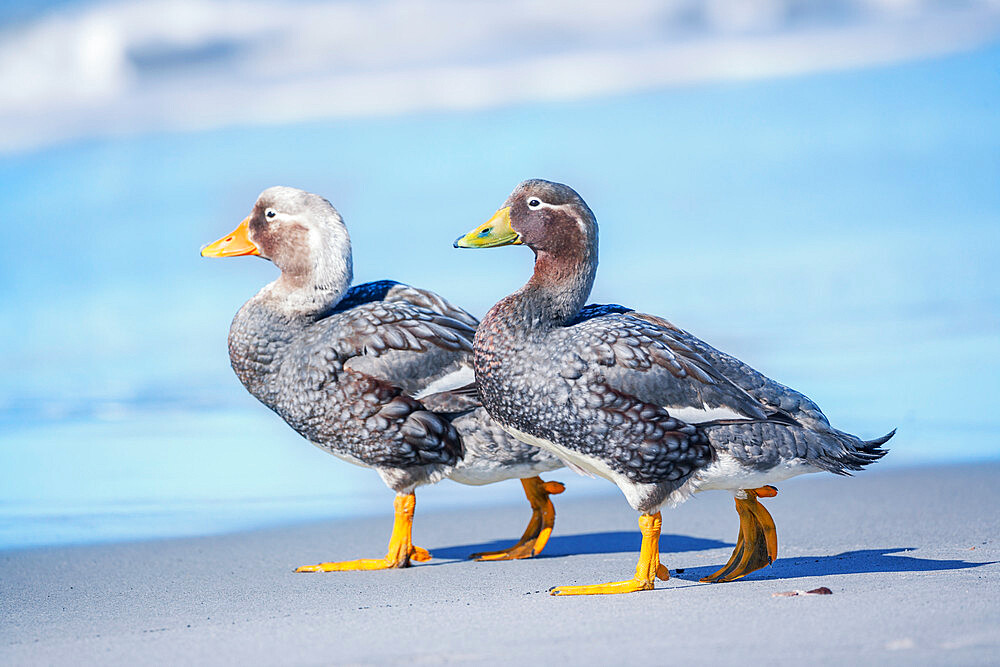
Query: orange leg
x: 647, y: 571
x: 543, y: 518
x: 757, y: 544
x: 401, y: 549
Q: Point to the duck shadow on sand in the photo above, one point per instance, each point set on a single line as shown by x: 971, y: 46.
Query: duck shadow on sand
x: 589, y: 543
x: 863, y: 561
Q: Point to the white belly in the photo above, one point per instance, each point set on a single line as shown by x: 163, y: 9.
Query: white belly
x: 482, y: 471
x: 727, y: 473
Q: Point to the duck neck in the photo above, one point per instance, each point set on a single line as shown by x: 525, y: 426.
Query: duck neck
x: 309, y: 293
x: 557, y: 291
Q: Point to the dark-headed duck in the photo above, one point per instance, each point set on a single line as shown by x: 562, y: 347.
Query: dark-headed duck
x: 630, y: 397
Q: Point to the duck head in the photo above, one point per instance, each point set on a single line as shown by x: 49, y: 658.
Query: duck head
x: 545, y: 216
x: 555, y: 222
x: 303, y: 235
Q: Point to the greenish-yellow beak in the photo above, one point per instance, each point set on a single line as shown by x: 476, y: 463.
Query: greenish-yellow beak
x: 493, y: 233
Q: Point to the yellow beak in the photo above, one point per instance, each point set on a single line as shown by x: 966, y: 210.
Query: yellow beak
x: 234, y: 244
x: 493, y: 233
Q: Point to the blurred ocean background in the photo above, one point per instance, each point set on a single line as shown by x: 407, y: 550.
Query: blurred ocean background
x: 811, y: 186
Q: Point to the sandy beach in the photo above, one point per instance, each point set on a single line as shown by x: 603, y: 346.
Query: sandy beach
x: 809, y: 186
x: 911, y: 556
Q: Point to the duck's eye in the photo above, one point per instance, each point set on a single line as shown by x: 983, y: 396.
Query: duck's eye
x: 270, y: 213
x: 534, y: 203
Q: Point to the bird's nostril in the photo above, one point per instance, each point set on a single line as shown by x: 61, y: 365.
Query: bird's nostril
x: 486, y: 232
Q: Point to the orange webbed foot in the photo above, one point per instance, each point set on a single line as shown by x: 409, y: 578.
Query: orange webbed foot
x: 401, y: 549
x: 648, y: 569
x: 757, y: 543
x: 543, y: 517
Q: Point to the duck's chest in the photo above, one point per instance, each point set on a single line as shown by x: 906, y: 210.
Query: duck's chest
x: 257, y: 342
x: 519, y: 382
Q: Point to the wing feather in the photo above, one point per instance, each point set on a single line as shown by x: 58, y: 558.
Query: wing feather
x: 646, y: 360
x: 773, y: 396
x: 431, y: 301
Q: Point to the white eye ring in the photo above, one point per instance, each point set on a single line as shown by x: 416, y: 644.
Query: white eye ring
x: 534, y: 203
x: 270, y: 213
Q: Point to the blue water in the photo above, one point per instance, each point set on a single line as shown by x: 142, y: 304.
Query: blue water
x: 838, y: 231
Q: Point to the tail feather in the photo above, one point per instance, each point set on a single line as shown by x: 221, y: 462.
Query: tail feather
x: 764, y: 444
x: 880, y: 441
x: 855, y: 453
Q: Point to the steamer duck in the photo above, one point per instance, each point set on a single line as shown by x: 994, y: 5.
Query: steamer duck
x: 634, y: 399
x: 379, y: 375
